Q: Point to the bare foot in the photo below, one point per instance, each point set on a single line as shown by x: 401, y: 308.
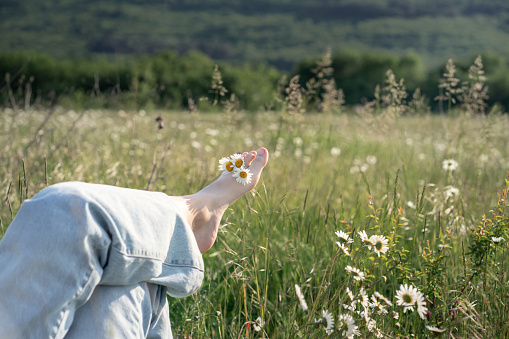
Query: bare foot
x: 204, y: 210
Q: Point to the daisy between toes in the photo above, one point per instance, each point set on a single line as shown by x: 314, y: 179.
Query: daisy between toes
x: 236, y: 166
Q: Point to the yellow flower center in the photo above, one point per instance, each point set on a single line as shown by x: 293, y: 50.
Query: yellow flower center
x: 379, y: 245
x: 243, y: 174
x: 407, y: 298
x: 229, y: 166
x: 238, y: 162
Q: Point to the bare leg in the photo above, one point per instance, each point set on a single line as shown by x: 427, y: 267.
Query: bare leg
x: 204, y: 210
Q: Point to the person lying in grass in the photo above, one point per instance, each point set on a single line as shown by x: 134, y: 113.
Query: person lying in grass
x: 86, y: 260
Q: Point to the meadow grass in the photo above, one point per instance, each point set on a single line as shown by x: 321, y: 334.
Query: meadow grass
x: 433, y: 186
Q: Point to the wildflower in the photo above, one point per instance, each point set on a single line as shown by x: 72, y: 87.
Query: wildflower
x: 238, y: 160
x: 357, y: 274
x: 302, y: 301
x: 334, y: 151
x: 365, y: 239
x: 371, y: 159
x: 436, y: 331
x: 348, y: 324
x: 364, y: 298
x: 226, y: 165
x: 381, y: 296
x: 380, y: 244
x: 343, y: 248
x: 354, y: 169
x: 212, y: 132
x: 449, y: 165
x: 350, y: 294
x: 344, y: 236
x: 352, y: 307
x: 495, y: 239
x: 243, y: 175
x: 408, y: 297
x: 222, y: 164
x: 411, y: 205
x: 451, y: 192
x: 329, y: 327
x: 378, y: 333
x: 421, y: 305
x: 370, y: 324
x: 378, y: 304
x: 258, y: 324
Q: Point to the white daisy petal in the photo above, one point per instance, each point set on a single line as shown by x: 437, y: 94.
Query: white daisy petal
x: 380, y: 244
x: 302, y: 300
x: 242, y: 175
x: 357, y: 273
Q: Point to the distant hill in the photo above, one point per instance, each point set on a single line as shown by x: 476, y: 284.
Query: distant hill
x: 280, y: 32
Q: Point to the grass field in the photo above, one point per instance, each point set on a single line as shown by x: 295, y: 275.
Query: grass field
x: 423, y: 182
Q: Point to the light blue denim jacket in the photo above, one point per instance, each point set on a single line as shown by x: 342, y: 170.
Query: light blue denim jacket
x: 72, y: 237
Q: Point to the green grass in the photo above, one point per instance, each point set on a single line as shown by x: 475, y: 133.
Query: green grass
x: 283, y: 233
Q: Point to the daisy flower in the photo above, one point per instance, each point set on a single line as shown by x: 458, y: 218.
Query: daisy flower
x: 381, y: 296
x: 421, y: 305
x: 357, y: 273
x: 407, y: 297
x: 334, y: 151
x: 302, y: 301
x: 258, y: 324
x: 449, y: 165
x: 364, y: 298
x: 378, y: 333
x: 380, y: 244
x: 451, y: 192
x: 365, y: 239
x: 329, y: 326
x: 237, y: 160
x: 350, y: 294
x: 343, y: 248
x: 348, y: 324
x: 226, y: 165
x: 495, y: 239
x: 242, y: 175
x: 344, y: 236
x: 377, y: 304
x: 370, y: 324
x: 352, y: 307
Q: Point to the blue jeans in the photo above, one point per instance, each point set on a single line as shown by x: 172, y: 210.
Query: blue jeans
x: 95, y: 261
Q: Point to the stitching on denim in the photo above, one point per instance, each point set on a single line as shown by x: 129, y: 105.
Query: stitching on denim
x: 78, y: 293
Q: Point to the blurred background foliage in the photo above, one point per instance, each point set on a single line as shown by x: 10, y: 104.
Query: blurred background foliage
x: 162, y: 52
x: 279, y: 32
x: 168, y: 80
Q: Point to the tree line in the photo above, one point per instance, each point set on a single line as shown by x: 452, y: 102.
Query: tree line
x: 169, y: 80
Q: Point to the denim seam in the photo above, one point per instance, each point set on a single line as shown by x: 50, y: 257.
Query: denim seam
x: 140, y: 254
x: 78, y: 293
x: 188, y: 266
x: 159, y: 259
